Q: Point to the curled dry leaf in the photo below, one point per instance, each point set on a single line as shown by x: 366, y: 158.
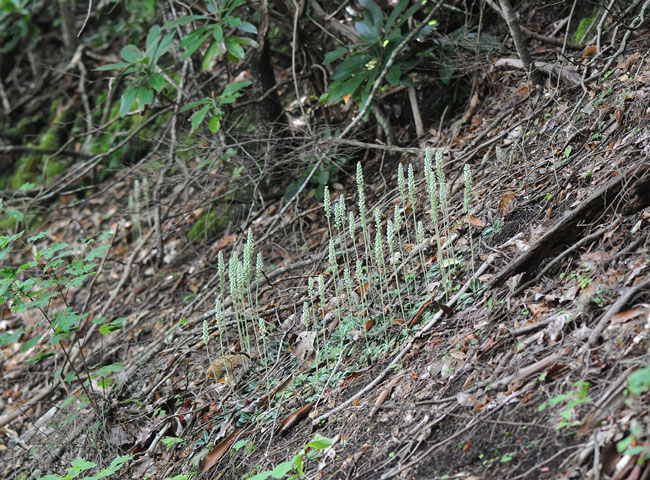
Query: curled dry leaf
x: 293, y: 419
x: 217, y: 452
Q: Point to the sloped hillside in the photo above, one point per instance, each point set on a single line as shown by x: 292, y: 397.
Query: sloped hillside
x: 475, y: 307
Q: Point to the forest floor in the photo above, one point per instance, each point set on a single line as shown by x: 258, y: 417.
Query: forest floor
x: 528, y: 359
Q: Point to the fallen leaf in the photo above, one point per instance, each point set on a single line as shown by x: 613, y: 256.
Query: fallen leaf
x: 506, y: 203
x: 384, y: 394
x: 476, y: 222
x: 629, y: 315
x: 292, y: 420
x: 217, y: 452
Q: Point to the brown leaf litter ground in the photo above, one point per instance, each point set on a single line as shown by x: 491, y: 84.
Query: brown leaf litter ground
x: 524, y: 376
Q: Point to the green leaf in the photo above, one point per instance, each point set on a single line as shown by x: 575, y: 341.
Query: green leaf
x: 96, y: 253
x: 230, y: 94
x: 319, y: 442
x: 395, y: 13
x: 157, y: 81
x: 281, y: 469
x: 259, y: 476
x: 375, y: 15
x: 350, y: 67
x: 126, y: 102
x: 144, y: 95
x: 210, y: 53
x: 341, y: 89
x: 214, y: 123
x: 248, y: 28
x: 132, y: 54
x: 184, y: 20
x: 30, y: 343
x: 334, y: 55
x: 164, y: 46
x: 234, y: 48
x: 394, y: 74
x: 153, y: 37
x: 198, y: 117
x: 217, y: 33
x: 192, y: 105
x: 16, y: 215
x: 409, y: 13
x: 10, y: 338
x: 38, y: 236
x: 639, y: 381
x: 27, y: 186
x: 108, y: 369
x: 367, y: 31
x: 115, y: 465
x: 196, y: 41
x: 112, y: 66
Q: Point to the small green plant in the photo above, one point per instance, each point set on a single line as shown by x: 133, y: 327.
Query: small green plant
x: 571, y: 400
x: 296, y: 464
x: 380, y: 36
x: 80, y: 465
x: 142, y: 67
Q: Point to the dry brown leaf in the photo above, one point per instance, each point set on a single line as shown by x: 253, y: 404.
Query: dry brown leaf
x: 384, y: 394
x: 476, y: 222
x: 217, y: 452
x: 629, y: 315
x: 590, y: 51
x: 506, y: 203
x: 292, y: 420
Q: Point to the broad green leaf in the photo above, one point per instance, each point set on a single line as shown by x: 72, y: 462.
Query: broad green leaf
x: 367, y: 31
x: 248, y: 28
x: 217, y: 33
x: 334, y: 55
x: 375, y: 14
x: 234, y: 48
x: 132, y: 54
x: 27, y: 186
x: 232, y: 22
x: 163, y: 47
x: 184, y: 20
x: 126, y: 102
x: 259, y: 476
x: 157, y: 81
x: 281, y: 469
x: 16, y: 215
x: 30, y: 343
x: 198, y: 117
x: 144, y: 95
x: 350, y: 67
x: 108, y: 369
x: 214, y: 123
x: 153, y: 37
x: 639, y: 381
x: 339, y: 90
x: 394, y: 74
x: 319, y: 442
x: 210, y: 53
